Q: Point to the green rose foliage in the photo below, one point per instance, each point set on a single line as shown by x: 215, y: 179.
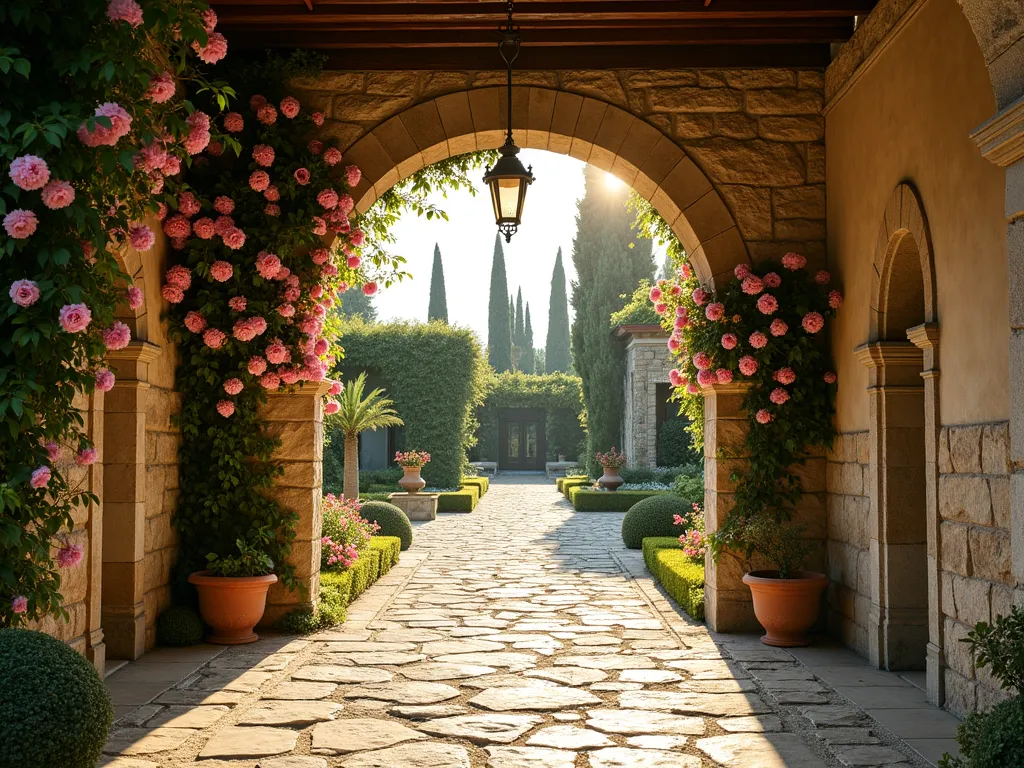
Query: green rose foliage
x: 226, y: 450
x: 59, y: 61
x: 776, y: 316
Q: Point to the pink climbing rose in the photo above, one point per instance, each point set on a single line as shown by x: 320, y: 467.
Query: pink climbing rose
x: 24, y: 293
x: 225, y: 408
x: 676, y: 378
x: 221, y: 271
x: 354, y: 261
x: 104, y: 380
x: 277, y: 353
x: 195, y: 322
x: 75, y: 318
x: 767, y: 304
x: 223, y: 204
x: 830, y: 377
x: 263, y: 155
x: 778, y: 396
x: 331, y: 407
x: 128, y: 11
x: 29, y: 172
x: 336, y: 388
x: 40, y: 477
x: 706, y: 378
x: 57, y: 194
x: 318, y: 118
x: 302, y: 175
x: 179, y: 276
x: 86, y: 456
x: 289, y: 106
x: 813, y: 322
x: 233, y: 122
x: 234, y: 238
x: 655, y: 295
x: 136, y: 298
x: 70, y: 555
x: 161, y: 88
x: 267, y: 265
x: 723, y: 375
x: 214, y: 338
x: 752, y: 285
x: 758, y: 340
x: 327, y: 198
x: 748, y: 365
x: 233, y: 386
x: 141, y: 237
x: 794, y: 261
x: 332, y: 156
x: 772, y: 280
x: 822, y: 277
x: 699, y: 296
x: 785, y: 375
x: 778, y: 327
x: 20, y: 223
x: 715, y: 311
x: 763, y: 416
x: 353, y: 175
x: 216, y: 48
x: 19, y: 604
x: 319, y: 226
x: 729, y: 341
x: 702, y: 361
x: 117, y: 336
x: 204, y: 228
x: 237, y: 303
x: 257, y: 365
x: 270, y: 380
x: 266, y: 114
x: 835, y: 299
x: 741, y: 271
x: 259, y: 180
x: 177, y: 226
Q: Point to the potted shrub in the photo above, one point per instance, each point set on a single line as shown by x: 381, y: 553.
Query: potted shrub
x: 786, y: 599
x: 233, y: 592
x: 611, y: 463
x: 411, y: 463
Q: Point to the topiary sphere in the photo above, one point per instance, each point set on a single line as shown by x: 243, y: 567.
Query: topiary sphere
x: 391, y: 519
x: 54, y: 709
x: 179, y: 625
x: 653, y: 516
x: 994, y: 739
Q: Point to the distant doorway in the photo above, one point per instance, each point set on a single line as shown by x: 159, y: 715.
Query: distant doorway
x: 521, y: 439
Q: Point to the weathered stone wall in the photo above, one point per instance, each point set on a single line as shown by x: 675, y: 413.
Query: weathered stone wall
x: 757, y: 134
x: 977, y: 583
x: 849, y: 556
x: 648, y: 362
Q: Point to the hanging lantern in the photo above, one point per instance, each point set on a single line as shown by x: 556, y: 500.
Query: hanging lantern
x: 508, y: 179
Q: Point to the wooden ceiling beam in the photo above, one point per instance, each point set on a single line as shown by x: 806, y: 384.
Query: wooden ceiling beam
x: 552, y: 57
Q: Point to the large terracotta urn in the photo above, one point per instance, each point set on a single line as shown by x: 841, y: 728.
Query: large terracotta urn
x: 411, y: 481
x: 786, y: 608
x: 611, y: 479
x: 231, y: 605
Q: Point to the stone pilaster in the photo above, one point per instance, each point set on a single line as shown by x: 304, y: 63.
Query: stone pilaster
x: 648, y: 363
x: 1001, y: 140
x: 727, y: 605
x: 898, y: 615
x: 296, y: 419
x: 926, y: 338
x: 124, y: 528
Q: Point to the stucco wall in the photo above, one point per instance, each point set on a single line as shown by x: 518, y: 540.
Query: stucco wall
x: 908, y: 118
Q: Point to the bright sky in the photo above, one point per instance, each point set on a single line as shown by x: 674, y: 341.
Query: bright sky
x: 467, y: 245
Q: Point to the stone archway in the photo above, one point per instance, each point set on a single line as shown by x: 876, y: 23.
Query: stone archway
x: 904, y: 623
x: 590, y: 130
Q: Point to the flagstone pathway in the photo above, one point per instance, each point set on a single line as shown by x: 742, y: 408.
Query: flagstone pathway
x: 519, y: 636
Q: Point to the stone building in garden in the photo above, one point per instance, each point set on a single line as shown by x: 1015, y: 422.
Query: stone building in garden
x: 646, y: 390
x: 891, y: 154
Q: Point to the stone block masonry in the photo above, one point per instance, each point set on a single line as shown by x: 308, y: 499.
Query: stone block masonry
x: 758, y: 135
x: 976, y: 580
x: 849, y: 556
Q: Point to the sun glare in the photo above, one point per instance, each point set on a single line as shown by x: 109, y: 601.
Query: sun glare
x: 613, y: 182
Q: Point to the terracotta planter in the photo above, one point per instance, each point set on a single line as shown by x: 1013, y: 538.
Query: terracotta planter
x: 786, y: 608
x: 411, y: 481
x: 232, y: 606
x: 611, y: 479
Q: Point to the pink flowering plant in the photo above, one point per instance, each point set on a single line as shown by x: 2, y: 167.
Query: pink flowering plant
x: 262, y: 236
x: 611, y: 459
x: 412, y: 459
x: 693, y: 541
x: 92, y: 122
x: 345, y: 533
x: 766, y: 328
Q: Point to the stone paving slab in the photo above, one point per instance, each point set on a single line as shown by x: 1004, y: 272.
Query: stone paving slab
x: 521, y: 636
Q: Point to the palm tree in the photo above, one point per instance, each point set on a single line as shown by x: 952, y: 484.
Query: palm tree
x: 357, y: 414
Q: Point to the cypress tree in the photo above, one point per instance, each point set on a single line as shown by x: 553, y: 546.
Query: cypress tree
x: 512, y: 332
x: 556, y: 348
x: 526, y: 362
x: 519, y: 335
x: 499, y: 336
x: 437, y: 309
x: 609, y: 261
x: 355, y: 303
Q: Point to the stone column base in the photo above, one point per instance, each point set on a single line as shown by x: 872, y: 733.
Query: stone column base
x: 417, y: 506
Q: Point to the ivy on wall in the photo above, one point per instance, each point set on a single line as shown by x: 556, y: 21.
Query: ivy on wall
x: 92, y: 122
x: 436, y: 376
x: 558, y: 394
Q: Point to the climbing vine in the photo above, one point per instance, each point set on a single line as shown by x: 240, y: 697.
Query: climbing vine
x: 265, y: 243
x: 765, y: 327
x: 92, y: 122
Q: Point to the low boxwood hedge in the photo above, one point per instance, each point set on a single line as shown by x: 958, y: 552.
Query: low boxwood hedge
x: 481, y: 482
x: 339, y: 588
x: 561, y: 481
x: 586, y: 500
x: 390, y: 548
x: 681, y: 577
x: 569, y: 483
x: 463, y: 500
x: 364, y: 497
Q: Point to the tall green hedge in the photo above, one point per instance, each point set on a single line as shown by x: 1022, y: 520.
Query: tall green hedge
x: 558, y: 394
x: 436, y: 376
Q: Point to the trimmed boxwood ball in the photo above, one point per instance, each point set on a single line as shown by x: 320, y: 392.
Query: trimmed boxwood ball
x: 179, y: 625
x: 992, y: 739
x: 652, y: 517
x: 54, y: 709
x: 391, y: 519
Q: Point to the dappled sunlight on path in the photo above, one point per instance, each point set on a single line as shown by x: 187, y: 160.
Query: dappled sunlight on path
x: 522, y: 635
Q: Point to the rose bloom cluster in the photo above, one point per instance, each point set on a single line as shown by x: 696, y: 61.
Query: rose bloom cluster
x: 746, y: 330
x: 274, y: 300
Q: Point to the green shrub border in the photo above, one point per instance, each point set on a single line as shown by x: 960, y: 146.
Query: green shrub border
x: 569, y: 483
x: 463, y: 500
x: 375, y: 496
x: 561, y: 481
x: 481, y: 482
x: 682, y: 578
x: 586, y: 500
x: 339, y: 588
